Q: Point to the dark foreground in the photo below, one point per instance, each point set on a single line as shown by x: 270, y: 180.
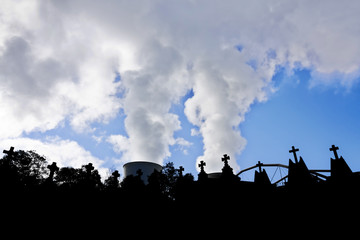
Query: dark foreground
x: 36, y: 195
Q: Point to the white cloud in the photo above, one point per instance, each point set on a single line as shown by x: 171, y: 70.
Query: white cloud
x: 182, y: 142
x: 194, y: 132
x: 51, y: 72
x: 182, y: 145
x: 58, y: 62
x: 65, y: 153
x: 120, y: 143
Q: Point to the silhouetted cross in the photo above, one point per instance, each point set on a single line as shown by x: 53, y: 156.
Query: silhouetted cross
x: 225, y: 159
x: 53, y: 168
x: 294, y: 150
x: 334, y: 149
x: 181, y: 169
x: 201, y: 165
x: 116, y: 174
x: 89, y: 168
x: 10, y: 152
x: 259, y: 165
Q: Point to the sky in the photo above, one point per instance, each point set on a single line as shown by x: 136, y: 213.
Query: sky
x: 110, y: 82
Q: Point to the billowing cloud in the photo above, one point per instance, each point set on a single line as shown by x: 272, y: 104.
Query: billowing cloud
x: 64, y: 152
x: 50, y: 71
x: 223, y: 92
x: 58, y: 62
x: 149, y: 94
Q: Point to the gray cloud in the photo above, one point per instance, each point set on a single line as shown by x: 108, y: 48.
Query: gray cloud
x: 24, y: 75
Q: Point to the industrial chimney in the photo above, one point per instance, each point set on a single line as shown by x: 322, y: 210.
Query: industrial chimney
x: 147, y: 168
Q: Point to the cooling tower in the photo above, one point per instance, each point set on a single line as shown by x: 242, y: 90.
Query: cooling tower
x: 147, y: 168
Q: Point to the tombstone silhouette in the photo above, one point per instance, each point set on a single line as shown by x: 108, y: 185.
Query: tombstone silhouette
x: 11, y: 154
x: 227, y: 171
x: 112, y: 183
x: 89, y: 168
x: 261, y: 177
x: 180, y: 170
x: 116, y: 174
x: 298, y: 173
x: 225, y: 159
x: 293, y: 151
x: 53, y: 168
x: 339, y: 168
x: 202, y: 174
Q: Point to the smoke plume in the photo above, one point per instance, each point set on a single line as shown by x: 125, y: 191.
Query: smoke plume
x: 59, y: 59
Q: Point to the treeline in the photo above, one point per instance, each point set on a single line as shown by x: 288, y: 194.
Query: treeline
x: 32, y: 188
x: 28, y: 172
x: 36, y: 194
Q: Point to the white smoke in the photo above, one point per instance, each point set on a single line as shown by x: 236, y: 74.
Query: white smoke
x: 149, y: 94
x: 223, y: 91
x: 58, y: 61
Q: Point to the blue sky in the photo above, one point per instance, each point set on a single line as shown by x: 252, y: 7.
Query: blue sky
x: 180, y: 81
x: 310, y: 118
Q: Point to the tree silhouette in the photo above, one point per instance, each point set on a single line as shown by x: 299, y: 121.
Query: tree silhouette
x: 169, y: 180
x: 67, y: 176
x: 132, y: 183
x: 112, y: 182
x: 83, y: 178
x: 23, y: 170
x: 89, y: 178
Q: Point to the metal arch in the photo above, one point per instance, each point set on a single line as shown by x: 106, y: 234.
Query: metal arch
x: 263, y: 165
x: 313, y: 172
x: 281, y: 179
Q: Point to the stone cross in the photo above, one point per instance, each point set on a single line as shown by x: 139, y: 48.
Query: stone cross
x: 294, y: 150
x: 181, y: 169
x: 259, y: 165
x: 53, y: 168
x: 89, y: 168
x: 10, y: 152
x: 116, y: 174
x: 225, y: 159
x: 334, y: 149
x: 201, y: 165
